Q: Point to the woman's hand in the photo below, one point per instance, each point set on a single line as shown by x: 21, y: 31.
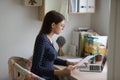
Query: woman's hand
x: 73, y: 63
x: 68, y: 70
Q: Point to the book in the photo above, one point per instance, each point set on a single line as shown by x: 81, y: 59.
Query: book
x: 73, y: 5
x: 96, y: 44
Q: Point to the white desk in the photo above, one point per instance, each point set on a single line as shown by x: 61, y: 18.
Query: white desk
x: 78, y: 75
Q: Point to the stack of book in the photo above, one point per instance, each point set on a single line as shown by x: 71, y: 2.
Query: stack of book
x: 79, y: 39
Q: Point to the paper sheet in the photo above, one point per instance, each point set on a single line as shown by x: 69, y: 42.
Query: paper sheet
x: 81, y: 62
x: 74, y: 60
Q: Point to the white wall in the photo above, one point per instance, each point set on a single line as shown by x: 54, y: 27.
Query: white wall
x: 100, y: 20
x: 19, y: 26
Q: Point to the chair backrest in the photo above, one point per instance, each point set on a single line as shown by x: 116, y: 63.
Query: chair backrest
x: 19, y: 69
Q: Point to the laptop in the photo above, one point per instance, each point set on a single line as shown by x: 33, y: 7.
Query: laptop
x: 96, y: 67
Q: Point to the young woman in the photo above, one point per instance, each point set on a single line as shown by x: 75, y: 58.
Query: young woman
x: 45, y: 55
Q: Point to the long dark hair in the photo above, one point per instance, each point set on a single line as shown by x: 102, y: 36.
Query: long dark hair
x: 51, y: 17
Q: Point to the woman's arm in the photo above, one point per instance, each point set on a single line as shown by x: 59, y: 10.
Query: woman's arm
x: 59, y: 61
x: 65, y: 71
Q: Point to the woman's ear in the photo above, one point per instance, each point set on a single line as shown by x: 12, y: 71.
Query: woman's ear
x: 52, y: 25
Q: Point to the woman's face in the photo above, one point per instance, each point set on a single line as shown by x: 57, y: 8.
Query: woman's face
x: 57, y: 28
